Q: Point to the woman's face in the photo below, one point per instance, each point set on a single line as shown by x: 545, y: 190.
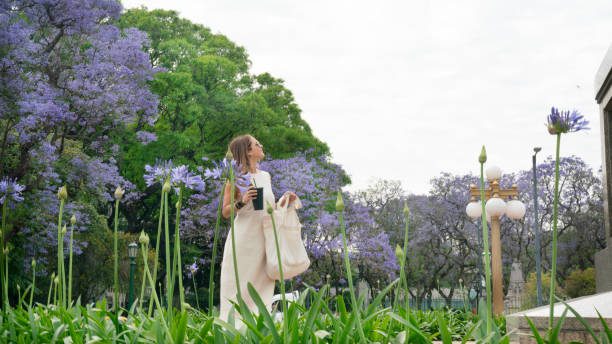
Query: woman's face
x: 256, y: 150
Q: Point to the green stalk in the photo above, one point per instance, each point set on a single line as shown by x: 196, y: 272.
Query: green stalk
x: 50, y: 289
x: 553, y: 270
x: 142, y: 289
x: 231, y: 173
x: 153, y: 292
x: 214, y: 255
x: 62, y: 290
x: 169, y: 287
x: 282, y: 279
x: 70, y: 266
x: 5, y: 302
x: 349, y: 276
x: 195, y: 290
x: 403, y: 278
x: 33, y: 284
x: 116, y: 263
x: 60, y: 251
x: 159, y: 226
x: 177, y: 251
x: 485, y: 237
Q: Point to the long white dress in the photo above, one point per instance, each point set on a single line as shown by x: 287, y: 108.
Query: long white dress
x: 250, y: 254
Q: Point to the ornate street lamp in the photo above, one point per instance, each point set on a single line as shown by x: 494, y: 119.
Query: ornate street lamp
x: 132, y: 254
x: 495, y: 208
x: 537, y: 225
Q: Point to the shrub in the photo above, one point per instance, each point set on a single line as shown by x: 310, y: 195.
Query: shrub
x: 580, y: 283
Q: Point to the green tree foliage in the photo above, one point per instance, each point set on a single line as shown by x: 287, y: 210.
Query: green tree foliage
x: 207, y: 96
x: 580, y: 283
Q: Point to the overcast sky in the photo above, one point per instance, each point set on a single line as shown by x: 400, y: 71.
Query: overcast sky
x: 404, y: 90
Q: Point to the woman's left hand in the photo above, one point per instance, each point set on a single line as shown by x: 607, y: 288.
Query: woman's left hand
x: 292, y: 198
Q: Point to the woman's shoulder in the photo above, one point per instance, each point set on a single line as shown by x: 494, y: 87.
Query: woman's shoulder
x: 262, y: 172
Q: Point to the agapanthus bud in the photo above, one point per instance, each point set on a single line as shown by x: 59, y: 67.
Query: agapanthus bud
x: 18, y: 287
x: 33, y: 262
x: 398, y: 251
x: 229, y: 156
x: 64, y: 229
x: 119, y: 193
x: 62, y: 193
x: 482, y: 158
x: 186, y: 306
x: 56, y: 280
x: 406, y: 210
x: 167, y: 186
x: 73, y: 219
x: 144, y: 238
x: 269, y: 208
x: 339, y: 202
x: 6, y: 250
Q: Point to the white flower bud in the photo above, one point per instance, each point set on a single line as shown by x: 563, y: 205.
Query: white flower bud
x: 62, y: 193
x: 339, y: 202
x: 73, y: 219
x: 166, y: 187
x: 144, y: 238
x: 119, y: 193
x: 64, y: 230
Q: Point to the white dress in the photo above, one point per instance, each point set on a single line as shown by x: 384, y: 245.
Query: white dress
x: 250, y: 254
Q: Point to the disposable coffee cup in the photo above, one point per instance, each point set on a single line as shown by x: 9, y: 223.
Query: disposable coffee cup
x: 258, y: 202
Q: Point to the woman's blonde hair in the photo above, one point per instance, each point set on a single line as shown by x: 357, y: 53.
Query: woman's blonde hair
x: 240, y: 146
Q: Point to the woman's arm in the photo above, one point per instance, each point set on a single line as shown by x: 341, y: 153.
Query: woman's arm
x: 227, y: 206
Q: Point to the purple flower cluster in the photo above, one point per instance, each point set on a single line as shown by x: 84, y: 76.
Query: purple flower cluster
x: 561, y: 122
x: 178, y: 176
x: 9, y: 188
x: 220, y: 171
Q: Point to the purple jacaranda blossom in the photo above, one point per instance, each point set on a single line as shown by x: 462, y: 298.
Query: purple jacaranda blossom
x: 159, y: 173
x: 181, y: 176
x: 9, y: 188
x: 561, y: 122
x: 146, y: 137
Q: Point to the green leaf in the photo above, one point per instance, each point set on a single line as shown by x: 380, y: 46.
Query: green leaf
x: 444, y: 333
x: 263, y: 311
x: 534, y: 330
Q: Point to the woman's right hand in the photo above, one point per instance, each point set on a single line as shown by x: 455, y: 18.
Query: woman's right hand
x: 251, y: 194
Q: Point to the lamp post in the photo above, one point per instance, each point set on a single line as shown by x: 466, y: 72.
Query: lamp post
x: 132, y: 254
x: 537, y: 226
x: 495, y: 209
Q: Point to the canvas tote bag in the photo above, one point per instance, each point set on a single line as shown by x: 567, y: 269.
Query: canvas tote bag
x: 294, y: 258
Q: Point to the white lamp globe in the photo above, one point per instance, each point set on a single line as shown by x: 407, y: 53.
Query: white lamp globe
x: 495, y: 207
x: 515, y: 209
x: 474, y: 209
x: 493, y: 172
x: 488, y: 217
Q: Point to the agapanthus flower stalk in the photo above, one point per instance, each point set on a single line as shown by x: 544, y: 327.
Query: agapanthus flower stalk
x: 482, y: 158
x: 33, y: 282
x: 72, y: 222
x: 214, y: 253
x: 116, y: 256
x: 347, y: 263
x: 559, y: 122
x: 270, y: 211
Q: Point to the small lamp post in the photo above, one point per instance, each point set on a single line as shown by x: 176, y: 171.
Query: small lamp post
x: 495, y: 208
x: 132, y: 254
x: 537, y: 226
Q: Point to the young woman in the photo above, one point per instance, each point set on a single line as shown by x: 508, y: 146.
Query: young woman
x: 248, y: 226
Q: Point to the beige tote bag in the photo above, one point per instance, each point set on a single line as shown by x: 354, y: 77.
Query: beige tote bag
x: 294, y: 258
